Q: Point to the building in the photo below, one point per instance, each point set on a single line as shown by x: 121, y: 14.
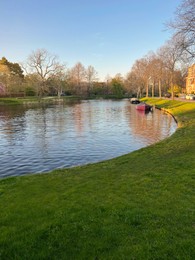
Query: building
x: 190, y: 80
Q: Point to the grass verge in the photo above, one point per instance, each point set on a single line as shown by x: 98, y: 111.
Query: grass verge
x: 33, y: 100
x: 137, y: 206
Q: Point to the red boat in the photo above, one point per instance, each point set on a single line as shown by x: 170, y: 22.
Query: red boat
x: 144, y: 107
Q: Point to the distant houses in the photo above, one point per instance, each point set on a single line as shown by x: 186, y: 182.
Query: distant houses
x: 190, y: 80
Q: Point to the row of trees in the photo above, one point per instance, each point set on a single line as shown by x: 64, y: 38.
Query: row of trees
x: 43, y: 74
x: 154, y: 74
x: 160, y: 72
x: 166, y: 69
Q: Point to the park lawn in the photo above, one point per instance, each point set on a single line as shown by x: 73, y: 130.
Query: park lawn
x: 24, y: 100
x: 137, y: 206
x: 10, y: 101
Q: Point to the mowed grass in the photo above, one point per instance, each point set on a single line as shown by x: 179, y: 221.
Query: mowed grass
x: 24, y: 100
x: 137, y: 206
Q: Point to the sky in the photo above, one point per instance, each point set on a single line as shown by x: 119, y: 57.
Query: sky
x: 107, y: 34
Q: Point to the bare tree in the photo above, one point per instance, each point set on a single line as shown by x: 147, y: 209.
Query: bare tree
x: 134, y: 80
x: 151, y: 70
x: 78, y: 76
x: 171, y: 54
x: 155, y: 70
x: 45, y: 65
x: 183, y: 26
x: 91, y: 77
x: 131, y: 84
x: 141, y: 71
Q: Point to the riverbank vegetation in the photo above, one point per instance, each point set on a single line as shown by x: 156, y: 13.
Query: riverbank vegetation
x: 137, y: 206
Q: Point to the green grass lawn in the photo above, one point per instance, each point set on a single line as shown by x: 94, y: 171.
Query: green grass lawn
x: 137, y: 206
x: 25, y: 100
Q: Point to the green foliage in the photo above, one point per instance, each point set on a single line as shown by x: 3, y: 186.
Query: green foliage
x: 14, y: 68
x: 117, y: 87
x: 30, y: 91
x: 137, y: 206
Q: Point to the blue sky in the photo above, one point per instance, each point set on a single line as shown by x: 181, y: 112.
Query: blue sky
x: 107, y: 34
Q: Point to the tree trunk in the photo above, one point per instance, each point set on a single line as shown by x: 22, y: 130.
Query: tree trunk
x: 172, y: 87
x: 159, y: 88
x: 146, y: 88
x: 153, y: 84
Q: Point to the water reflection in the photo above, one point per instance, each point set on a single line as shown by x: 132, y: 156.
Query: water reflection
x: 39, y: 139
x: 12, y: 123
x: 150, y: 126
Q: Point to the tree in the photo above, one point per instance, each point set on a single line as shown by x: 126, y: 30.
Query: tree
x: 11, y: 76
x: 14, y: 68
x: 141, y: 72
x: 91, y: 77
x: 58, y: 82
x: 183, y: 26
x: 45, y: 65
x: 32, y: 84
x: 171, y: 54
x: 151, y: 72
x: 132, y: 84
x: 117, y: 86
x: 155, y: 70
x: 77, y: 77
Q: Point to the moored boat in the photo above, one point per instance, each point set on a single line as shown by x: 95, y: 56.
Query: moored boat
x: 144, y: 107
x: 134, y: 101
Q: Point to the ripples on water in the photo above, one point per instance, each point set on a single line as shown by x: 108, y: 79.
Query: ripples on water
x: 41, y: 139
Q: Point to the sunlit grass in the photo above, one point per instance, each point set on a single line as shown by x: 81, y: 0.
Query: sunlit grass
x: 36, y: 100
x: 137, y: 206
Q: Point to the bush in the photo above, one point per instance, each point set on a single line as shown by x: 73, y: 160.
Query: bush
x: 30, y: 92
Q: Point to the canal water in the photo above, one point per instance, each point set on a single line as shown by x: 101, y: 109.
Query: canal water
x: 43, y: 138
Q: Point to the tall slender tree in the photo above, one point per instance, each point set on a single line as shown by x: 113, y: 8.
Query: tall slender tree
x: 91, y: 77
x: 78, y: 78
x: 171, y: 54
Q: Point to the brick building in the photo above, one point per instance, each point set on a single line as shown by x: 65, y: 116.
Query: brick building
x: 190, y: 80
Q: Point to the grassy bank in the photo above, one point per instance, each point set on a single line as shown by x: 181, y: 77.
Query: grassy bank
x: 137, y: 206
x: 19, y: 101
x: 49, y: 99
x: 35, y: 100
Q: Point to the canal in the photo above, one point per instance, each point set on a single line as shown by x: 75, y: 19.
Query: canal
x: 43, y: 138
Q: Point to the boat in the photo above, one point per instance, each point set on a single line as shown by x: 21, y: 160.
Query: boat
x: 144, y: 107
x: 134, y: 101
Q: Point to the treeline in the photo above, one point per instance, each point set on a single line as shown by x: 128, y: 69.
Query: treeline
x: 166, y: 69
x: 42, y: 74
x: 152, y: 75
